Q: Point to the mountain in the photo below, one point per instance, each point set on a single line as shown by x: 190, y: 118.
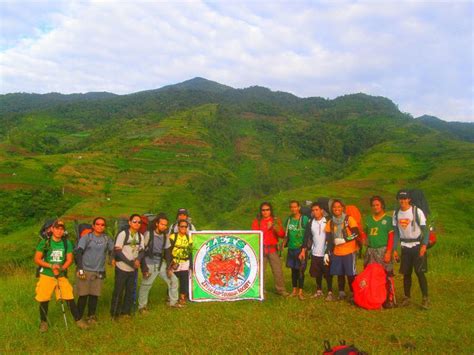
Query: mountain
x: 460, y: 130
x: 23, y: 102
x: 218, y: 151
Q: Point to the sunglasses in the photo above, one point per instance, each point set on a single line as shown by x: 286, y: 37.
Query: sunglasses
x: 139, y: 222
x: 265, y: 209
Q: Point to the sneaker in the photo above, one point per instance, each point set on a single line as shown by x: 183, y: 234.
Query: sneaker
x: 318, y: 294
x: 329, y: 297
x: 283, y: 294
x: 405, y: 301
x: 342, y: 296
x: 182, y: 301
x: 388, y: 305
x: 177, y: 305
x: 425, y: 303
x: 43, y: 327
x: 82, y: 324
x: 92, y: 320
x: 143, y: 311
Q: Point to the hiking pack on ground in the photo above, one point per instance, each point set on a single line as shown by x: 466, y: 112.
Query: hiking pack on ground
x: 341, y: 349
x: 370, y: 287
x: 419, y: 201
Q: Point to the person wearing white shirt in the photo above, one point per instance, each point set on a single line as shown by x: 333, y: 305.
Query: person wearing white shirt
x: 315, y: 241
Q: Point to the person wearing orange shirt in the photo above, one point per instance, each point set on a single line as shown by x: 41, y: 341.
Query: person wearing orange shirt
x: 341, y: 234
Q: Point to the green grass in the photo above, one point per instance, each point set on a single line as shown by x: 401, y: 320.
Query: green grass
x: 275, y: 325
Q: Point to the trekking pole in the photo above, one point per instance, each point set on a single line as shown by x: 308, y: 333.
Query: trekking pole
x: 135, y: 285
x: 62, y: 301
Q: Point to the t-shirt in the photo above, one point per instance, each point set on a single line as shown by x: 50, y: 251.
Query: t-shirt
x: 346, y: 247
x: 157, y: 247
x: 134, y: 245
x: 95, y: 248
x: 55, y: 254
x: 181, y: 248
x: 295, y: 231
x: 406, y: 229
x: 377, y: 230
x: 318, y: 231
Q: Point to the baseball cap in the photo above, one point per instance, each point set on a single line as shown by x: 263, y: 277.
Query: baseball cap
x: 59, y: 224
x: 183, y: 211
x: 403, y: 194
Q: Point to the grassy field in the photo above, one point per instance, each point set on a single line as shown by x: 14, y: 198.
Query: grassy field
x: 275, y: 325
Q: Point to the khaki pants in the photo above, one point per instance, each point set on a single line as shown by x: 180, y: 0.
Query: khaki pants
x: 277, y: 271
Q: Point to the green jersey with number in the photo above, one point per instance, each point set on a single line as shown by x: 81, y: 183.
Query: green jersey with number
x: 55, y: 254
x: 377, y: 231
x: 295, y: 231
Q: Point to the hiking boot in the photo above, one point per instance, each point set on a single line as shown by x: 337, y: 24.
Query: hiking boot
x: 177, y: 305
x: 425, y: 303
x: 82, y: 324
x: 405, y: 301
x: 342, y: 296
x: 182, y: 301
x: 318, y: 294
x: 301, y: 297
x: 351, y: 300
x: 92, y: 320
x: 43, y: 327
x: 143, y: 311
x: 329, y: 297
x: 388, y: 305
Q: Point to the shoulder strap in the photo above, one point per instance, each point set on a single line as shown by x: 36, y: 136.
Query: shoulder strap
x: 65, y: 245
x: 127, y: 237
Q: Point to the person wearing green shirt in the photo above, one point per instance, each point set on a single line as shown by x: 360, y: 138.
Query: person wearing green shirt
x: 54, y: 255
x: 295, y: 226
x: 378, y: 229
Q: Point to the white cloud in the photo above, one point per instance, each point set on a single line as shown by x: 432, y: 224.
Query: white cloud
x: 418, y: 54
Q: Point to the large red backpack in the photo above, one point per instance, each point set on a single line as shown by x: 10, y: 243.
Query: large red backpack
x: 370, y: 287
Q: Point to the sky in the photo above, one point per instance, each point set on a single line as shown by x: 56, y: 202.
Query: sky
x: 417, y: 53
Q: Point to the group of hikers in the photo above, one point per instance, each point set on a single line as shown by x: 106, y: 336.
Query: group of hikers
x: 328, y: 237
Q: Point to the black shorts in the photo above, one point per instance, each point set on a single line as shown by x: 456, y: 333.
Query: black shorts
x: 411, y: 259
x: 318, y: 268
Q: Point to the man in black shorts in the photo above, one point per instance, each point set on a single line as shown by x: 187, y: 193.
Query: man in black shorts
x: 410, y: 228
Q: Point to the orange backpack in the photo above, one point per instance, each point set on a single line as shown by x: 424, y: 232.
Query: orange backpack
x: 354, y: 212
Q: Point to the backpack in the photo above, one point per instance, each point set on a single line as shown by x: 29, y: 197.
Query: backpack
x: 351, y: 211
x: 341, y: 349
x: 418, y: 201
x: 305, y: 210
x: 354, y: 212
x: 146, y: 218
x: 370, y: 287
x: 325, y: 203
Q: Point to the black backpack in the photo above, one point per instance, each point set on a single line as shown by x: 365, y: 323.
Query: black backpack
x: 418, y: 199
